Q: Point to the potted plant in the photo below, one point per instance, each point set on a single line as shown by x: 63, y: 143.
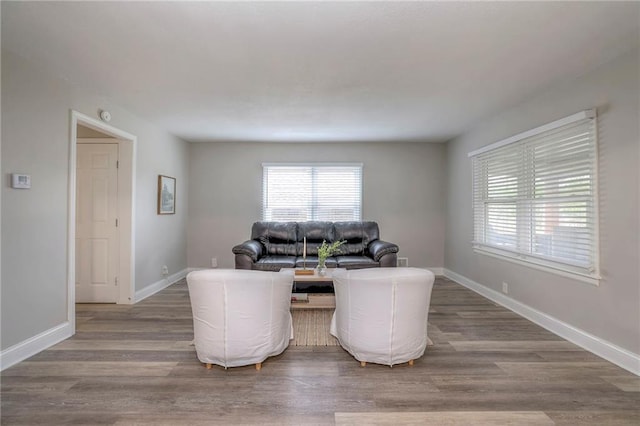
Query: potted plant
x: 324, y: 251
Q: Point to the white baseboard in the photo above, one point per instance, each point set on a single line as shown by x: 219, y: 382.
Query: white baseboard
x: 607, y: 350
x: 438, y: 272
x: 152, y: 289
x: 23, y: 350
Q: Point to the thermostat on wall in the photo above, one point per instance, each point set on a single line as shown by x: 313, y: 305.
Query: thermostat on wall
x: 19, y: 181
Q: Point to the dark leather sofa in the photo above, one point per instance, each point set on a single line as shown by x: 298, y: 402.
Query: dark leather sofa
x: 275, y: 245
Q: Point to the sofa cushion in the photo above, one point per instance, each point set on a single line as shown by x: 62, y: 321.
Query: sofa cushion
x: 357, y: 235
x: 275, y: 263
x: 278, y: 238
x: 312, y: 262
x: 356, y: 262
x: 315, y: 232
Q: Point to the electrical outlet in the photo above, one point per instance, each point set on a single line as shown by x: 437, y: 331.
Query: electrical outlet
x: 165, y: 270
x: 505, y: 288
x: 403, y: 261
x: 214, y: 262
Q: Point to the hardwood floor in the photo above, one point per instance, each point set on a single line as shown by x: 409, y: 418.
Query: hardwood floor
x: 134, y: 365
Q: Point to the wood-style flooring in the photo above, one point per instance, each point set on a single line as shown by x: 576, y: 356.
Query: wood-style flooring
x: 134, y: 365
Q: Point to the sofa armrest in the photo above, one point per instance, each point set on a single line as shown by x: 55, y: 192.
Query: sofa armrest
x: 379, y: 248
x: 251, y: 248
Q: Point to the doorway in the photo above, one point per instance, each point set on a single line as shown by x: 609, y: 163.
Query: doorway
x: 110, y: 278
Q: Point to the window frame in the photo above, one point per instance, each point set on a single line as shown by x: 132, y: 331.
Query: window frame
x: 479, y: 191
x: 314, y: 166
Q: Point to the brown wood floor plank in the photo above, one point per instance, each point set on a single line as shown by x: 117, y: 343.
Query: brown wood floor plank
x: 487, y: 418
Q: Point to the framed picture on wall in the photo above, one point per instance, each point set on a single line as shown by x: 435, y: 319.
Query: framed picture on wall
x: 166, y: 195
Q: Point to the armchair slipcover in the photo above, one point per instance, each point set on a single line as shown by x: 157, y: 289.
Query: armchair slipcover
x: 240, y: 317
x: 381, y: 314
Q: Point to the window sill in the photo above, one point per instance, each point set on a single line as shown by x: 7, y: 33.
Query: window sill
x: 531, y: 263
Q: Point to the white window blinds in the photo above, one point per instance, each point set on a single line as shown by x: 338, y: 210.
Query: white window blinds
x: 302, y: 192
x: 535, y: 198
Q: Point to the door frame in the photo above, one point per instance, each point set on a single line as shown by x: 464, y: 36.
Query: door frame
x: 127, y: 144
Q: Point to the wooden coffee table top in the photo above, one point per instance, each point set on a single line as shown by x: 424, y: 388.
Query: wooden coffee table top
x: 315, y: 277
x: 316, y: 300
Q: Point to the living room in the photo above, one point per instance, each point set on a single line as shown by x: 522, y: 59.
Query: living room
x: 418, y: 190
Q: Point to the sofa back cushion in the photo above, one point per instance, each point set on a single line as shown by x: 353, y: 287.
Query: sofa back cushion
x: 286, y: 238
x: 357, y: 235
x: 316, y: 232
x: 276, y: 237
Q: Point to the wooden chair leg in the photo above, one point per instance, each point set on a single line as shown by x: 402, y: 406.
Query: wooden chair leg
x: 209, y: 366
x: 363, y: 363
x: 411, y: 362
x: 259, y: 366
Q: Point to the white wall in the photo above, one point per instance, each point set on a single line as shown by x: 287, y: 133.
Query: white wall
x: 402, y: 191
x: 35, y: 140
x: 610, y: 311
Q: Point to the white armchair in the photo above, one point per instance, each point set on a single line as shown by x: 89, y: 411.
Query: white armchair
x: 381, y: 313
x: 240, y: 317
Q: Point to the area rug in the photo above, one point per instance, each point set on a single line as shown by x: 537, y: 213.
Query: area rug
x: 311, y: 327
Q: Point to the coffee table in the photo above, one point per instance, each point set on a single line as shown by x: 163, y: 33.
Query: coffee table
x: 315, y: 300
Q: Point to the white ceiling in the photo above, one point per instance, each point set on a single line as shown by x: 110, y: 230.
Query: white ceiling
x: 318, y: 71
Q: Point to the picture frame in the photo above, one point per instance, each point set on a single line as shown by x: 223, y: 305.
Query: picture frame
x: 166, y: 194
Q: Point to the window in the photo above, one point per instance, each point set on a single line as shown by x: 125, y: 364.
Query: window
x: 302, y: 192
x: 535, y: 197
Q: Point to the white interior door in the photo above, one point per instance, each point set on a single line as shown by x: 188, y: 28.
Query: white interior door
x: 96, y: 227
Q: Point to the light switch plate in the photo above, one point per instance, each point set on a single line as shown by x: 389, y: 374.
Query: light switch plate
x: 20, y: 181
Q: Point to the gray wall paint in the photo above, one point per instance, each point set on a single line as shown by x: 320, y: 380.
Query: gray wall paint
x: 35, y: 140
x: 612, y: 310
x: 402, y: 191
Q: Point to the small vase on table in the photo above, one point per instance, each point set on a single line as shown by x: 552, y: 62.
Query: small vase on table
x: 322, y: 267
